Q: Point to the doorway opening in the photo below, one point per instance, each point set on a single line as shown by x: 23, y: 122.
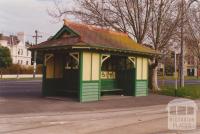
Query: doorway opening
x: 117, y: 75
x: 62, y: 75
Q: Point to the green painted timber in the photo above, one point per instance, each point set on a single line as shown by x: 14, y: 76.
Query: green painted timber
x: 141, y: 88
x: 108, y: 85
x: 81, y: 75
x: 100, y: 76
x: 43, y: 80
x: 90, y: 91
x: 59, y: 87
x: 66, y: 86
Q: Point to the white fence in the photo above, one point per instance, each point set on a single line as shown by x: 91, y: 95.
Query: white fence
x: 18, y: 76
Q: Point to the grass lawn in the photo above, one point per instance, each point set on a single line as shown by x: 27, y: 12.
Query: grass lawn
x: 173, y: 78
x: 189, y: 91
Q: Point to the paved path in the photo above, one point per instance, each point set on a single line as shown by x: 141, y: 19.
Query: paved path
x: 24, y: 111
x: 143, y: 120
x: 25, y: 97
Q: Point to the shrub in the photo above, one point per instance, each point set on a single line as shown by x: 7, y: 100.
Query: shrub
x: 5, y: 57
x: 19, y: 69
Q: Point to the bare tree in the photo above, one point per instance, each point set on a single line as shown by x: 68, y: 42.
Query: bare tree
x: 147, y: 21
x: 165, y: 19
x: 130, y: 16
x: 193, y: 33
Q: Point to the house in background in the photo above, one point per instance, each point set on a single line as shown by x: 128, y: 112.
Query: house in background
x: 18, y: 48
x: 166, y: 65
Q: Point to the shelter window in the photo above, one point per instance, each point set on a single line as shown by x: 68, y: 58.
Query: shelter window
x: 49, y: 62
x: 113, y: 64
x: 72, y: 61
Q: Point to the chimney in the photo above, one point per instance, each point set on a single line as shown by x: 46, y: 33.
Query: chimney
x: 21, y: 37
x: 11, y: 40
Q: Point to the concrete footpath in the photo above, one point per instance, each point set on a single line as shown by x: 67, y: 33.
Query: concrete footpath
x: 138, y: 120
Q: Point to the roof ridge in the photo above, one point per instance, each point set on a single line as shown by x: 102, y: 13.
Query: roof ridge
x: 93, y: 27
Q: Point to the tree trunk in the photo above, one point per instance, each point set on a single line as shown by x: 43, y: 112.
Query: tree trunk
x: 153, y: 79
x: 197, y: 72
x: 197, y: 69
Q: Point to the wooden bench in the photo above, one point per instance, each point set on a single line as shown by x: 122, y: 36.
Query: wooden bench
x: 110, y: 90
x: 104, y: 91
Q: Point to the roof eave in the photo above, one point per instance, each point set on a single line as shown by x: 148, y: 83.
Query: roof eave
x: 89, y: 47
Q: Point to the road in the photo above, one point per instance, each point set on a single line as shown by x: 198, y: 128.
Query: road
x: 24, y: 111
x: 28, y: 88
x: 172, y: 82
x: 20, y: 88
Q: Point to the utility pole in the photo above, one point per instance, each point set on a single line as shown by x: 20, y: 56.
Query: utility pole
x: 182, y: 47
x: 36, y: 36
x: 175, y: 71
x: 183, y: 12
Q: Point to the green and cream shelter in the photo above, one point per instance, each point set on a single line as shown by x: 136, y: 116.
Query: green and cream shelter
x: 87, y: 62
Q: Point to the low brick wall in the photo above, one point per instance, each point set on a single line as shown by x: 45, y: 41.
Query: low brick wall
x: 18, y: 76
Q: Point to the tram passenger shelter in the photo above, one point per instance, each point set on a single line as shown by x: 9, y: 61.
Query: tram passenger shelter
x: 84, y: 62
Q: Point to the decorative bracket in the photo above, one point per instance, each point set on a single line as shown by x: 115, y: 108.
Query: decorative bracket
x: 75, y: 56
x: 132, y: 59
x: 47, y: 57
x: 104, y: 57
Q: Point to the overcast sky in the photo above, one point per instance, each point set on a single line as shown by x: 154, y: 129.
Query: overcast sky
x: 27, y: 16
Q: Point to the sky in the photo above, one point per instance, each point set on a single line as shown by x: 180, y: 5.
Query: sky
x: 27, y: 16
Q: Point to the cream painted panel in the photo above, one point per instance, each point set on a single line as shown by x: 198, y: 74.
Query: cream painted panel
x: 139, y: 68
x: 58, y: 66
x: 145, y: 69
x: 95, y: 66
x: 86, y: 66
x: 50, y: 68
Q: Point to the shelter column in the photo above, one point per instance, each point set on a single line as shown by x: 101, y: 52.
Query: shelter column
x: 89, y: 76
x: 141, y: 77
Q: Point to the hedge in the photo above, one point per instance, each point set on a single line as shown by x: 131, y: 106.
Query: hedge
x: 19, y: 69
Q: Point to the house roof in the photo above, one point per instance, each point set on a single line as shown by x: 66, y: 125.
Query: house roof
x: 12, y: 39
x: 83, y: 35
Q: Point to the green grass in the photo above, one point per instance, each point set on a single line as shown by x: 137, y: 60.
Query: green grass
x: 173, y: 78
x: 189, y: 91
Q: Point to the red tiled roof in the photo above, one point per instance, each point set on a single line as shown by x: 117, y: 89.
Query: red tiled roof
x: 58, y: 42
x: 96, y: 37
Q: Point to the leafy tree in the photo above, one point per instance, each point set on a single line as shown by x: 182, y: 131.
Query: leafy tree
x: 5, y: 57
